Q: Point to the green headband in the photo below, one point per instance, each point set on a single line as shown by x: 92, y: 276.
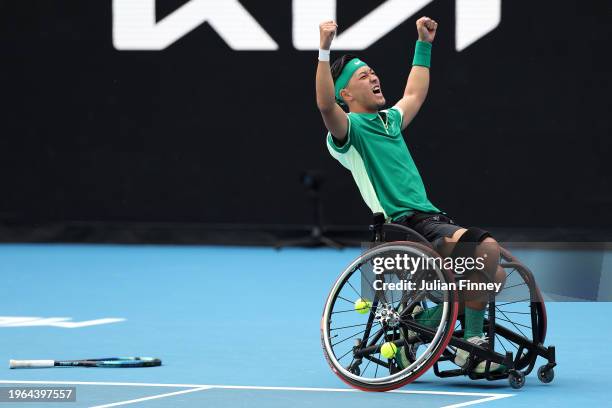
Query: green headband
x: 346, y: 74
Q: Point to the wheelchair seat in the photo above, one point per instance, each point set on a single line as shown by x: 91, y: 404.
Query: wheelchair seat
x: 390, y: 232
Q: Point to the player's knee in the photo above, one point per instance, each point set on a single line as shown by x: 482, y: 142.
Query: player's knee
x: 490, y: 247
x: 488, y: 250
x: 491, y: 242
x: 476, y: 243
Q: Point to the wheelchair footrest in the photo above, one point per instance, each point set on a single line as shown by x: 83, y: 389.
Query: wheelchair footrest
x: 449, y: 373
x: 489, y: 376
x: 472, y: 375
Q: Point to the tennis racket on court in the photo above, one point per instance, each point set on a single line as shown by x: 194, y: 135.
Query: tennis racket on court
x: 111, y: 362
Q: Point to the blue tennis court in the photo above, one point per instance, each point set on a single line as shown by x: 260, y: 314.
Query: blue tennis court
x: 235, y: 327
x: 154, y: 154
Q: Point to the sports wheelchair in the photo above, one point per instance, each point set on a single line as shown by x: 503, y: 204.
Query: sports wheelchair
x: 352, y: 338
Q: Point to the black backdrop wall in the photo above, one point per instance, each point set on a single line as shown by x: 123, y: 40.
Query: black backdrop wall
x: 515, y: 131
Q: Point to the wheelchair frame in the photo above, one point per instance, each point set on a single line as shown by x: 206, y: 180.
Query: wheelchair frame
x: 534, y: 347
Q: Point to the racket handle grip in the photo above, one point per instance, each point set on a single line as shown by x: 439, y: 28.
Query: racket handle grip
x: 31, y: 363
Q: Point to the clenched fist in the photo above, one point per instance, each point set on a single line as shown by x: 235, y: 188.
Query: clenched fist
x: 327, y: 32
x: 426, y: 28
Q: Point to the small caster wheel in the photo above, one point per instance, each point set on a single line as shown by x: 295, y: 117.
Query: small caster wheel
x: 546, y: 374
x: 516, y: 379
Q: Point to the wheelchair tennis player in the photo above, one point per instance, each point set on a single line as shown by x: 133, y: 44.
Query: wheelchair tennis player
x: 368, y: 142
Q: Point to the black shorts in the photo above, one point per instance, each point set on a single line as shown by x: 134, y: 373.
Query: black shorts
x: 433, y: 226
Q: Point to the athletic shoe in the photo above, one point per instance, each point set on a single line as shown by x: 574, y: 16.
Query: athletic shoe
x: 462, y: 356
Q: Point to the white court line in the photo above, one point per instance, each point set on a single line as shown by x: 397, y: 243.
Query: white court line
x: 478, y: 401
x: 169, y: 394
x: 485, y: 397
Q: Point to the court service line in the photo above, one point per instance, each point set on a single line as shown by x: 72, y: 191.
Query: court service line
x: 169, y: 394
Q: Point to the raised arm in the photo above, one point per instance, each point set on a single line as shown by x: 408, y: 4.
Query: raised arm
x: 333, y: 115
x: 418, y: 80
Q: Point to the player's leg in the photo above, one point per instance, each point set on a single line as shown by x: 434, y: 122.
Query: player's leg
x: 436, y: 228
x: 479, y: 245
x: 445, y: 235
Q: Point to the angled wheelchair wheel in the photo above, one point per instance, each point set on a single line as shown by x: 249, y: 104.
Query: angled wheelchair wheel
x: 520, y: 315
x: 367, y: 323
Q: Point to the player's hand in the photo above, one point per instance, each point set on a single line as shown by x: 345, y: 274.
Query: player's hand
x: 327, y: 32
x: 426, y: 28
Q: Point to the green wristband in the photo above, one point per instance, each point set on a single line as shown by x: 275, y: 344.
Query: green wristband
x: 422, y: 54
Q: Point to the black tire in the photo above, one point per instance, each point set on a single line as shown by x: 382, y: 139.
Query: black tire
x: 516, y: 379
x: 546, y: 374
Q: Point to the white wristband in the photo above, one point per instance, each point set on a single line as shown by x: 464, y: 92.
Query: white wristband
x: 323, y: 55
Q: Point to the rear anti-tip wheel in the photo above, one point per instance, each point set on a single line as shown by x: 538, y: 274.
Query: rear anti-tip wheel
x: 516, y: 379
x: 546, y: 374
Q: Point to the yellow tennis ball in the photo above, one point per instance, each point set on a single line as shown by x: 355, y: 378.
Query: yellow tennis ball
x: 388, y: 350
x: 362, y: 305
